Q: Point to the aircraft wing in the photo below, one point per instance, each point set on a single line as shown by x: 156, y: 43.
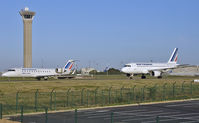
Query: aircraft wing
x: 185, y: 65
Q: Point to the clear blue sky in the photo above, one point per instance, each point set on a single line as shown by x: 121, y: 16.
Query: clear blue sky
x: 100, y: 33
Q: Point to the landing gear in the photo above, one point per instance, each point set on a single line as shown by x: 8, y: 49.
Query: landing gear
x: 130, y: 76
x: 143, y: 76
x: 45, y: 78
x: 159, y: 77
x: 38, y: 79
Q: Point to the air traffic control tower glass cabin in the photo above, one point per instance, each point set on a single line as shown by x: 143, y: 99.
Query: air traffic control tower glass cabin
x: 27, y: 17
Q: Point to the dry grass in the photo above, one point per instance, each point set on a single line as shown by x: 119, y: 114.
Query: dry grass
x: 27, y: 89
x: 7, y: 121
x: 102, y: 82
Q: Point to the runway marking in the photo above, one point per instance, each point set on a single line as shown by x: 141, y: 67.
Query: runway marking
x: 140, y: 112
x: 154, y: 121
x: 131, y: 111
x: 133, y: 115
x: 106, y: 113
x: 137, y: 115
x: 103, y: 116
x: 183, y: 114
x: 139, y: 119
x: 175, y: 118
x: 189, y: 104
x: 94, y: 114
x: 103, y: 111
x: 190, y: 122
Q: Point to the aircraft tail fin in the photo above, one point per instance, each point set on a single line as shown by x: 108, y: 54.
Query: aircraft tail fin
x: 69, y: 65
x: 174, y: 56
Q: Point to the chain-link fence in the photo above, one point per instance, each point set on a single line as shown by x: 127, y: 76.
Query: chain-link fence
x: 38, y: 101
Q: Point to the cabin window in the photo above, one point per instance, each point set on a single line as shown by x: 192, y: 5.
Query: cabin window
x: 11, y: 70
x: 127, y: 65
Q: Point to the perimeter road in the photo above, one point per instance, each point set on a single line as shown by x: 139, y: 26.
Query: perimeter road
x: 173, y: 112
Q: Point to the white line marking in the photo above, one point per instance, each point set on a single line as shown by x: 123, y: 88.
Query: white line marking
x: 189, y: 104
x: 183, y: 114
x: 135, y: 115
x: 94, y: 114
x: 103, y: 116
x: 190, y: 122
x: 139, y: 119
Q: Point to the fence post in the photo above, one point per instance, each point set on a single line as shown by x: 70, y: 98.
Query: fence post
x: 1, y: 111
x: 72, y: 101
x: 21, y: 114
x: 55, y: 100
x: 75, y: 115
x: 116, y: 95
x: 164, y: 91
x: 67, y: 97
x: 133, y: 94
x: 36, y: 96
x: 121, y: 93
x: 109, y: 95
x: 51, y: 98
x: 154, y: 95
x: 46, y: 115
x: 96, y: 95
x: 87, y: 97
x: 174, y: 89
x: 143, y: 93
x: 102, y: 97
x: 82, y: 96
x: 191, y: 88
x: 183, y: 87
x: 111, y: 117
x: 17, y: 99
x: 157, y: 119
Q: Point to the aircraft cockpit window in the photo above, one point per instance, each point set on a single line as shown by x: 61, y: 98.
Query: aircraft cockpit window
x: 127, y: 65
x: 11, y: 70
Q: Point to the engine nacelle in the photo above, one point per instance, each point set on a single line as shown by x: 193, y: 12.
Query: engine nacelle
x: 156, y: 73
x: 59, y: 70
x: 128, y: 75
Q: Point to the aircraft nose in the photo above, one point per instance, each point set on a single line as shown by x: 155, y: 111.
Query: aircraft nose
x: 4, y: 75
x: 123, y: 70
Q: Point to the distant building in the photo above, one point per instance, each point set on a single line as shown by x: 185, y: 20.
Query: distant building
x: 185, y: 71
x: 86, y: 71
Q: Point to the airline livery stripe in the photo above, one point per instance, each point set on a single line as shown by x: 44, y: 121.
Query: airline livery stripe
x: 71, y: 66
x: 176, y: 58
x: 67, y: 65
x: 174, y: 55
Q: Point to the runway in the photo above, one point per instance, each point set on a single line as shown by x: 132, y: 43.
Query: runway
x: 175, y: 112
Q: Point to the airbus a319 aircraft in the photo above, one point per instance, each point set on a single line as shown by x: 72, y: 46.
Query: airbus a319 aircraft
x: 154, y: 69
x: 40, y: 72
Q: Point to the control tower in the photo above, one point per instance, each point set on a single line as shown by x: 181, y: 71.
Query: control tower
x: 27, y: 17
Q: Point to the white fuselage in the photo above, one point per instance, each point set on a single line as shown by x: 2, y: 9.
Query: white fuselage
x: 144, y: 68
x: 31, y: 72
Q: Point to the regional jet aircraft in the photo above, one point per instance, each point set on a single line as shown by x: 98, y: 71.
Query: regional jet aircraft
x: 154, y: 69
x: 40, y: 72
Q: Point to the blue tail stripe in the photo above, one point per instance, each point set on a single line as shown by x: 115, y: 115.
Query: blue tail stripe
x: 68, y: 65
x: 174, y: 55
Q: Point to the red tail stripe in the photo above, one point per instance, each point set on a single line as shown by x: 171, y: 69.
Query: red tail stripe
x: 71, y: 66
x: 176, y: 58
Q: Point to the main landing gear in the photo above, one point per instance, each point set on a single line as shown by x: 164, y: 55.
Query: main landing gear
x: 143, y: 76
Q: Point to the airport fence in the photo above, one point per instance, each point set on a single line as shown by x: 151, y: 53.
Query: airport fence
x: 37, y: 101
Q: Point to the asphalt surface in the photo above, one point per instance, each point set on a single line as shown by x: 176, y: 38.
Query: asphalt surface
x: 175, y: 112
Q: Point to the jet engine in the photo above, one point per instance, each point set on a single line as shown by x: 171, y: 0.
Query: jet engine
x: 156, y: 73
x: 59, y: 70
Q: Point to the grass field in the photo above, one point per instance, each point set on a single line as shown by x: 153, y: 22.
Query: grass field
x: 115, y: 81
x: 95, y: 91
